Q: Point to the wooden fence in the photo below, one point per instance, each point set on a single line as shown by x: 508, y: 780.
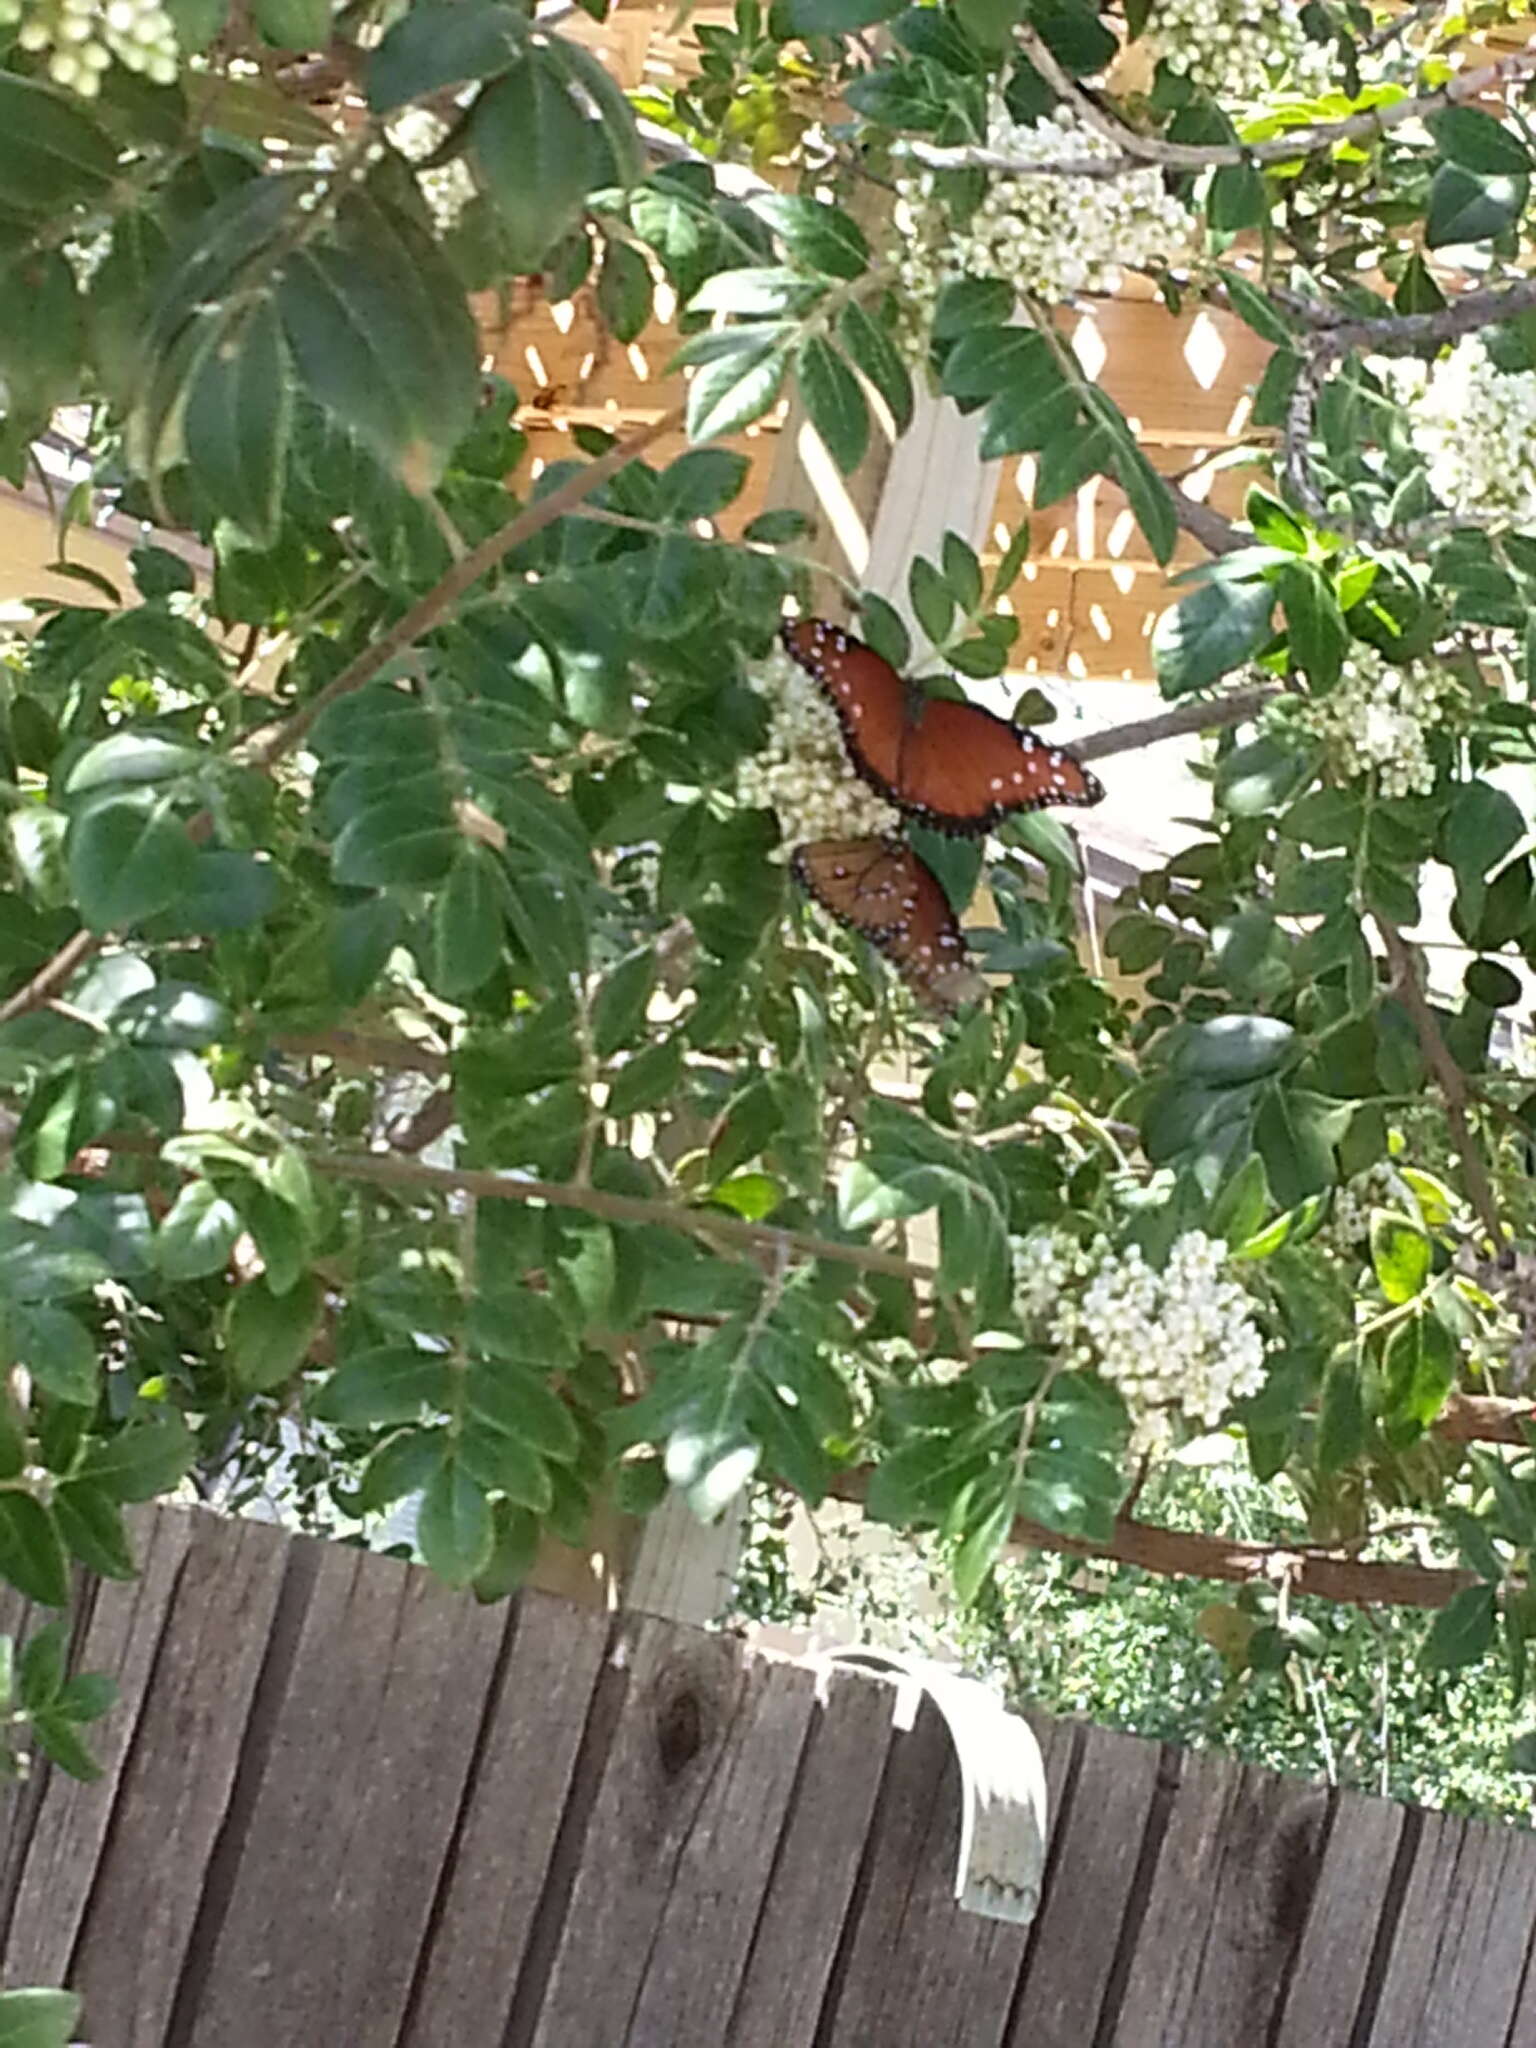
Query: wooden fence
x: 344, y: 1808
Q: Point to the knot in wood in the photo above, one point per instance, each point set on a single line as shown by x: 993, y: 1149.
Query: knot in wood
x: 679, y: 1730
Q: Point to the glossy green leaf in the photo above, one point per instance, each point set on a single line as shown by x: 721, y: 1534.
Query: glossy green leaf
x: 438, y: 43
x: 239, y: 412
x: 532, y: 145
x: 38, y: 2018
x: 1462, y: 1631
x: 454, y: 1529
x: 1214, y: 629
x: 269, y: 1334
x: 129, y: 857
x: 869, y: 347
x: 31, y: 1552
x: 1467, y: 207
x: 1400, y: 1254
x: 836, y: 405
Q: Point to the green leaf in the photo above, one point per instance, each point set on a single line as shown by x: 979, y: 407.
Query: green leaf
x: 1215, y: 629
x: 269, y: 1334
x: 736, y: 388
x: 1464, y: 207
x: 52, y: 153
x: 1022, y: 419
x: 43, y: 1665
x: 1255, y: 307
x: 522, y: 1404
x: 388, y: 1383
x: 1075, y: 35
x: 514, y: 1549
x: 821, y: 236
x: 933, y: 602
x: 980, y: 1549
x: 198, y: 1235
x: 1236, y: 1048
x: 1490, y: 982
x: 59, y: 1740
x: 1478, y: 142
x: 1417, y: 291
x: 836, y: 405
x: 1400, y: 1254
x: 533, y: 146
x: 701, y: 483
x: 1314, y: 623
x: 58, y: 1350
x: 238, y: 416
x: 360, y: 941
x: 869, y: 348
x: 830, y: 17
x: 91, y: 1524
x: 1149, y: 500
x: 1238, y: 198
x: 624, y: 292
x: 1341, y: 1424
x: 132, y: 757
x: 405, y: 839
x: 1482, y: 826
x: 619, y: 1007
x: 467, y: 925
x: 129, y: 857
x: 584, y: 69
x: 293, y: 24
x: 454, y: 1529
x: 438, y: 43
x: 1462, y: 1632
x: 1420, y: 1363
x: 38, y: 2019
x: 382, y: 335
x: 31, y: 1552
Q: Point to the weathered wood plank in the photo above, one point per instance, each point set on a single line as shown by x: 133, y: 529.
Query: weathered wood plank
x: 1159, y: 1991
x: 700, y: 1950
x: 177, y: 1777
x: 1346, y: 1910
x: 343, y: 1849
x: 1095, y: 1847
x: 673, y: 1728
x: 18, y: 1802
x: 120, y: 1638
x: 514, y: 1803
x: 920, y: 1973
x: 797, y: 1935
x: 1453, y: 1974
x: 1271, y: 1851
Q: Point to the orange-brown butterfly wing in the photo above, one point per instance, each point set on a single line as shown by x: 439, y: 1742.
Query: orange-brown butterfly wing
x: 963, y: 768
x: 869, y: 697
x: 883, y: 890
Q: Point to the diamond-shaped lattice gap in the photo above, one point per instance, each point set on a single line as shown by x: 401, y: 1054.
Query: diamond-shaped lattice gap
x: 1204, y: 350
x: 1089, y: 347
x: 1121, y: 528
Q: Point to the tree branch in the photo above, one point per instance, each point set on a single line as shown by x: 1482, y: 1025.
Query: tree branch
x: 1138, y: 152
x: 1185, y: 1554
x: 1453, y: 1083
x: 422, y: 616
x: 1213, y: 714
x: 357, y: 1049
x: 412, y: 1176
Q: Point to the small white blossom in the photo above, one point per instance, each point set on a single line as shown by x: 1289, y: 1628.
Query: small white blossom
x: 85, y: 35
x: 1045, y: 235
x: 1475, y: 426
x: 1378, y: 717
x: 1177, y: 1343
x: 1379, y: 1187
x: 802, y: 771
x: 1238, y: 51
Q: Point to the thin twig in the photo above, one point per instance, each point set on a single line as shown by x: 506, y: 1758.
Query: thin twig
x: 422, y: 616
x: 1212, y: 715
x: 1453, y: 1083
x: 412, y: 1176
x: 53, y: 978
x: 1139, y: 152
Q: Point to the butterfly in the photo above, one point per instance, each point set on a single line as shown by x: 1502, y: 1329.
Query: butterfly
x: 953, y: 766
x: 881, y: 889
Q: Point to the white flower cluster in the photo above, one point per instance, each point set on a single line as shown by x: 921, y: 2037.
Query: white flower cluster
x: 85, y: 35
x: 802, y: 771
x: 1475, y: 426
x: 1238, y: 50
x: 1180, y: 1342
x: 1380, y: 1187
x: 447, y: 188
x: 1379, y: 717
x: 1046, y: 235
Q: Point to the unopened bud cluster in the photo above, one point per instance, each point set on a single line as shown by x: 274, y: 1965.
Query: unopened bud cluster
x: 1378, y: 719
x: 447, y: 188
x: 1049, y: 235
x: 1379, y: 1187
x: 802, y: 770
x: 83, y: 37
x: 1238, y: 51
x: 1179, y: 1344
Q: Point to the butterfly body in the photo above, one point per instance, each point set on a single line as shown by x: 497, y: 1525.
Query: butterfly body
x: 950, y: 765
